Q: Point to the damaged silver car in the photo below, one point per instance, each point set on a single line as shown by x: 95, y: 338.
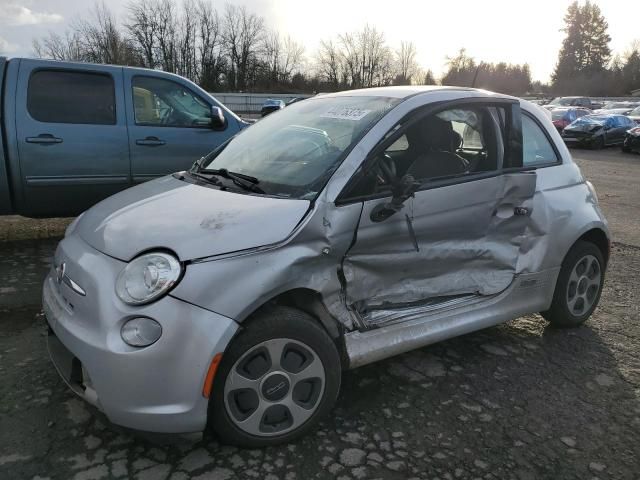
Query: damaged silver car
x: 346, y: 229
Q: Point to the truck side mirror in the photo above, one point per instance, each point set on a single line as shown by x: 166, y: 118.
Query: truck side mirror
x: 403, y: 189
x: 218, y: 121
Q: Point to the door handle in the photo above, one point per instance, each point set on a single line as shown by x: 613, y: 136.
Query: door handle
x: 44, y: 138
x: 150, y: 142
x: 521, y: 211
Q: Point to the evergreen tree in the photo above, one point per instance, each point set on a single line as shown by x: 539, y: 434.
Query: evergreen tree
x: 429, y: 79
x: 585, y: 50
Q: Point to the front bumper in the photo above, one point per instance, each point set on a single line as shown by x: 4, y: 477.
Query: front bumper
x: 575, y: 141
x: 632, y: 143
x: 154, y: 389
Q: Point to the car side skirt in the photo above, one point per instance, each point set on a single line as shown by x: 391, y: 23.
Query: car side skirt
x: 529, y: 293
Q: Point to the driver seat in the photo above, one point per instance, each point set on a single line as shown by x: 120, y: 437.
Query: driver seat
x: 433, y: 143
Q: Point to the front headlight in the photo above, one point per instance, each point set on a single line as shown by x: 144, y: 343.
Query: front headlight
x: 147, y: 278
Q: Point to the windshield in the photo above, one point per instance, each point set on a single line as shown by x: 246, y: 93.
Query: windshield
x: 614, y: 105
x: 590, y: 120
x: 561, y: 101
x: 293, y: 154
x: 635, y: 111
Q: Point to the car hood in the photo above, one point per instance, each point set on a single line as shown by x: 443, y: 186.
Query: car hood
x: 587, y: 127
x: 192, y: 220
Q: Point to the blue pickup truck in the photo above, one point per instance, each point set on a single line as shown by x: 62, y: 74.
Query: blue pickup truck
x: 75, y: 133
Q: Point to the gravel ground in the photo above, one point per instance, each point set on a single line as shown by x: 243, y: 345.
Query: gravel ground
x: 516, y: 401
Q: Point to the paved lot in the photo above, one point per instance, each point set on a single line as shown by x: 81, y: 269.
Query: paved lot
x: 520, y: 400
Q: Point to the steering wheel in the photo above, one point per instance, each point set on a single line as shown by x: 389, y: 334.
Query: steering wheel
x: 165, y: 115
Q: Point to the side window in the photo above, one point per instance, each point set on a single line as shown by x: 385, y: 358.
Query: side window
x: 165, y: 103
x: 65, y: 96
x: 400, y: 145
x: 453, y: 142
x: 537, y: 149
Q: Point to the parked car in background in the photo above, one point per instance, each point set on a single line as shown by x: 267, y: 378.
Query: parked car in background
x: 343, y: 230
x: 584, y: 102
x: 617, y: 108
x: 563, y: 116
x: 597, y: 131
x: 634, y: 115
x: 632, y: 140
x: 76, y: 133
x: 295, y: 100
x: 271, y: 106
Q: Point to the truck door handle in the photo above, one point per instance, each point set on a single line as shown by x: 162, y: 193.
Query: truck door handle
x: 150, y: 142
x: 44, y: 138
x: 521, y: 211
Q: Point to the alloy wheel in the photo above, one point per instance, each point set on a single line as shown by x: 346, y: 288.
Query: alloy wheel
x: 274, y: 388
x: 584, y: 284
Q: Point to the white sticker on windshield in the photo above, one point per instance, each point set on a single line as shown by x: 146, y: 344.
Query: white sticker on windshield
x: 346, y: 113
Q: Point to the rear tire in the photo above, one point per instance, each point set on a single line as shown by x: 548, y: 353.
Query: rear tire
x: 579, y: 286
x: 277, y: 379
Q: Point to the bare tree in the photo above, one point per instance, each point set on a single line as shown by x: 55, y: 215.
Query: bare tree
x: 243, y: 32
x: 142, y: 28
x: 211, y: 60
x: 366, y: 59
x: 166, y: 25
x: 281, y: 57
x: 186, y: 36
x: 406, y: 64
x: 102, y: 41
x: 328, y: 63
x: 57, y: 47
x: 293, y: 57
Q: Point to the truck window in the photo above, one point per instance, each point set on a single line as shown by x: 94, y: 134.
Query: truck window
x: 64, y: 96
x: 163, y: 103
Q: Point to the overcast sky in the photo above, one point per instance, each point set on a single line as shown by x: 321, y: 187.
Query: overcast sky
x: 491, y: 30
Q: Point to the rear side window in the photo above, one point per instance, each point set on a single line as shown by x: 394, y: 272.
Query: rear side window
x: 56, y: 96
x: 537, y: 149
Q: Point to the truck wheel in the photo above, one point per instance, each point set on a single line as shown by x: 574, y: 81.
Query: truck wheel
x: 578, y: 287
x: 277, y: 379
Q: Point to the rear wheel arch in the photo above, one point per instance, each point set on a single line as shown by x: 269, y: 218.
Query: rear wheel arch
x: 599, y: 238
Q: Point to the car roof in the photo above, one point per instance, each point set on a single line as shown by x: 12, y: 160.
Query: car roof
x: 407, y: 91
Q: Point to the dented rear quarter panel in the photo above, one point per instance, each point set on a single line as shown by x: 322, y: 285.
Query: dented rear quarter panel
x: 563, y: 207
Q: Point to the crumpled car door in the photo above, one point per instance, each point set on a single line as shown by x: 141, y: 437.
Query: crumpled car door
x: 460, y: 239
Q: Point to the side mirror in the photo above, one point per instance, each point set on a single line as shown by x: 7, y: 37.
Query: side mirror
x: 217, y: 118
x: 402, y: 191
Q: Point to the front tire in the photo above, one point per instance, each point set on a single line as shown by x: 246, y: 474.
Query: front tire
x: 277, y: 379
x: 598, y: 143
x: 579, y: 286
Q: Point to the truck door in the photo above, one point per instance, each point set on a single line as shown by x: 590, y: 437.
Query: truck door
x: 169, y: 124
x: 71, y: 134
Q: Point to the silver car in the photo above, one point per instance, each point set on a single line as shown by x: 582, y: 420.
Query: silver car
x: 346, y: 229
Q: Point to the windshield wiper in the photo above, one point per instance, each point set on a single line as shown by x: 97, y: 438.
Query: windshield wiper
x: 247, y: 182
x: 212, y: 180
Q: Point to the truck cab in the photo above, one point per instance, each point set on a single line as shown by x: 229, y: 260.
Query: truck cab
x: 76, y: 133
